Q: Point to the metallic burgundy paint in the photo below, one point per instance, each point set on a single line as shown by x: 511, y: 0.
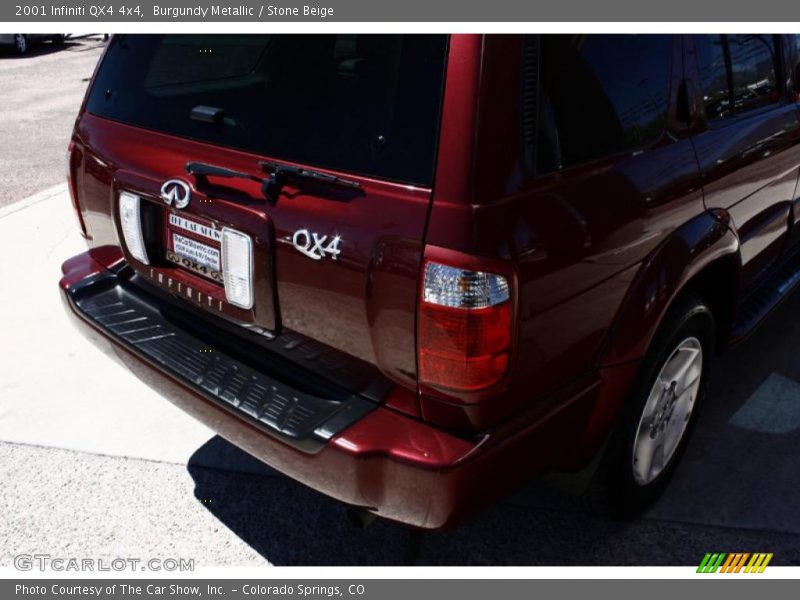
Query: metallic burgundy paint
x: 597, y: 253
x: 394, y: 465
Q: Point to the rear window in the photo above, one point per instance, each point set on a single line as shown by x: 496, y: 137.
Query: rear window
x: 738, y: 72
x: 366, y: 104
x: 591, y: 96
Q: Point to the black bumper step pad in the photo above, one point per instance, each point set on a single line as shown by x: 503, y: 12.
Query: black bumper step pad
x: 301, y: 419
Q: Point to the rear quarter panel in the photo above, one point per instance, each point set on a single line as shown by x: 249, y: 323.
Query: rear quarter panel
x: 577, y: 237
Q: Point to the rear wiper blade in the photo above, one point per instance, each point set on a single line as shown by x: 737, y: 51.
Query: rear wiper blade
x: 205, y: 170
x: 276, y: 176
x: 278, y: 171
x: 199, y: 169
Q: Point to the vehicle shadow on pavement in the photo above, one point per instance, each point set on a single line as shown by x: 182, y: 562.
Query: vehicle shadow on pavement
x: 285, y: 521
x: 736, y: 490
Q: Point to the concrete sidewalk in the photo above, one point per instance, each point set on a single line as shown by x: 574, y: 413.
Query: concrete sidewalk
x: 48, y: 366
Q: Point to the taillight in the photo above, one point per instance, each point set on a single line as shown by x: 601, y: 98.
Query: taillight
x: 130, y: 217
x: 237, y: 266
x: 464, y: 327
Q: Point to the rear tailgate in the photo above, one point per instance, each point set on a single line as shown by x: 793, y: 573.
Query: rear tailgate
x: 337, y: 264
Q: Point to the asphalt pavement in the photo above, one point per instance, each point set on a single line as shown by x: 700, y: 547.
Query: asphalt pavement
x: 41, y: 92
x: 95, y: 464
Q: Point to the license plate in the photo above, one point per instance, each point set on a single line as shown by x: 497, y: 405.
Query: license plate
x: 195, y: 256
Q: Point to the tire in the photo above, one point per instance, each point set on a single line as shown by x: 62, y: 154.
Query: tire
x: 633, y: 472
x: 21, y: 45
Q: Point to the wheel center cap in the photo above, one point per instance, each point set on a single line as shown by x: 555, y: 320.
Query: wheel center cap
x: 666, y: 404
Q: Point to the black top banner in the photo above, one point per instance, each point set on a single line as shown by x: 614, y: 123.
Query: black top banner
x: 473, y: 11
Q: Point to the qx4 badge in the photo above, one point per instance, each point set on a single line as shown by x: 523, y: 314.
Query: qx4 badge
x: 316, y: 246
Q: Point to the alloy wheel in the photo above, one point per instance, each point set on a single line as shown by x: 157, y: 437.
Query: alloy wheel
x: 667, y: 411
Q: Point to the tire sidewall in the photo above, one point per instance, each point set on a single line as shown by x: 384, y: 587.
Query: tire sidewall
x: 691, y: 318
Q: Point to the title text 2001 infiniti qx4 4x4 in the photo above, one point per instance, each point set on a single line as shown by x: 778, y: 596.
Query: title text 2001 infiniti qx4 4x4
x: 412, y: 272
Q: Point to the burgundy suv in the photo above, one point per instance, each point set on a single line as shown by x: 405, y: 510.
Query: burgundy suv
x: 413, y: 271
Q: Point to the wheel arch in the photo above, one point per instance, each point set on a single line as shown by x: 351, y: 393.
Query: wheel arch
x: 702, y: 256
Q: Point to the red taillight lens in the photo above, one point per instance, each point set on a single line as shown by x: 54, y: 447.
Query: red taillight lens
x: 465, y: 325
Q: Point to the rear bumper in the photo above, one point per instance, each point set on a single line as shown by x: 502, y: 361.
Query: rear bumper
x: 352, y: 449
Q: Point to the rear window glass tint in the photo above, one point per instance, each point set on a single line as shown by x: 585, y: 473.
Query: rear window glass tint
x: 714, y: 76
x: 753, y: 65
x: 366, y: 104
x: 599, y: 95
x: 738, y: 72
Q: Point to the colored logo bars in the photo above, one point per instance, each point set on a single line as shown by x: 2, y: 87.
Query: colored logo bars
x: 735, y: 562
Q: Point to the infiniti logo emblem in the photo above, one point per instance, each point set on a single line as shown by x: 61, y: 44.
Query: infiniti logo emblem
x: 176, y: 192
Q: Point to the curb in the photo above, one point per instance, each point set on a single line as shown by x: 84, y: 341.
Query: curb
x: 47, y: 194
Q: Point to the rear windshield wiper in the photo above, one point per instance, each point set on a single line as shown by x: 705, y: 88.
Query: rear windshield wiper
x: 277, y: 172
x: 276, y: 176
